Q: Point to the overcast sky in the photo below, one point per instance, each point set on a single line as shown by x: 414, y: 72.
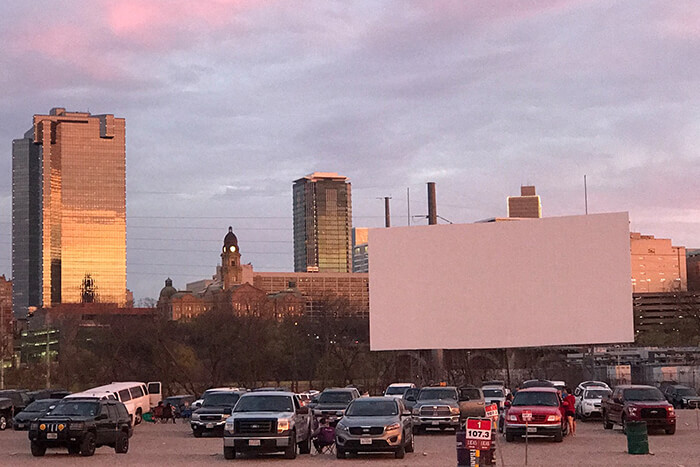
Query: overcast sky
x: 228, y: 101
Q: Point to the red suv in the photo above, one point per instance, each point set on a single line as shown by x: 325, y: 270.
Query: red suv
x: 545, y: 406
x: 637, y: 402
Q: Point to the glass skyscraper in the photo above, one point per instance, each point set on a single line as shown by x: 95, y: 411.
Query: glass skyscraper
x: 322, y: 223
x: 69, y: 211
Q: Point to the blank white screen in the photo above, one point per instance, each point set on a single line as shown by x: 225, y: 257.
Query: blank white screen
x: 534, y: 282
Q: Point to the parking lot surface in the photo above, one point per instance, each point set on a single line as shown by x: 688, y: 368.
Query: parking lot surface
x: 174, y: 445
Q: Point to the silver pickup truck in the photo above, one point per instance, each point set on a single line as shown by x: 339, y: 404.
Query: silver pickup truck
x: 268, y: 421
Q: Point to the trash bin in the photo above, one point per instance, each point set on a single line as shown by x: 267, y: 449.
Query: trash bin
x: 462, y: 451
x: 637, y: 437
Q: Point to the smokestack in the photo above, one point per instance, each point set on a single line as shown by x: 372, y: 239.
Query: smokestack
x: 387, y: 216
x: 432, y: 204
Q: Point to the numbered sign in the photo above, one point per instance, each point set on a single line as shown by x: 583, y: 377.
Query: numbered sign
x: 478, y: 433
x: 491, y: 411
x: 527, y: 415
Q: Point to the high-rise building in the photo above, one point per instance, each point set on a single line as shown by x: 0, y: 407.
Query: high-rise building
x: 657, y: 265
x: 69, y: 211
x: 360, y: 249
x: 322, y: 223
x: 527, y: 205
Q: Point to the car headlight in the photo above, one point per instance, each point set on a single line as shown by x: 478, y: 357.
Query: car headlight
x: 195, y: 416
x: 339, y: 413
x: 554, y: 418
x: 393, y: 427
x: 76, y: 426
x: 671, y: 410
x: 416, y: 411
x: 454, y: 410
x: 632, y: 410
x: 229, y: 426
x: 341, y: 427
x: 283, y: 425
x: 512, y: 418
x: 33, y: 426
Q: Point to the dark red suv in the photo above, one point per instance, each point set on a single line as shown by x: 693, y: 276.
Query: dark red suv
x: 638, y: 403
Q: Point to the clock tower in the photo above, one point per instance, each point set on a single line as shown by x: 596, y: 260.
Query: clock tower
x: 231, y: 270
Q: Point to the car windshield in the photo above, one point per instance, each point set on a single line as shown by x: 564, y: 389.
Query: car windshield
x: 335, y: 397
x: 265, y: 404
x: 39, y: 406
x: 437, y: 394
x: 370, y: 408
x: 470, y: 394
x: 225, y: 399
x: 644, y: 394
x: 548, y: 399
x: 596, y: 393
x: 395, y: 390
x: 493, y: 393
x: 79, y: 408
x: 687, y: 392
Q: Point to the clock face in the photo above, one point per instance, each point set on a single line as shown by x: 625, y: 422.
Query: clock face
x: 233, y: 248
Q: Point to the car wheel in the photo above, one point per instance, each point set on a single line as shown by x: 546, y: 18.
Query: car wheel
x: 558, y: 437
x: 73, y: 449
x: 670, y: 430
x: 87, y: 447
x: 340, y: 453
x: 400, y: 452
x: 510, y: 437
x: 410, y: 446
x: 38, y: 450
x: 121, y: 445
x: 415, y: 429
x: 229, y: 452
x: 197, y: 432
x: 607, y: 424
x: 291, y: 451
x: 138, y: 418
x: 3, y: 422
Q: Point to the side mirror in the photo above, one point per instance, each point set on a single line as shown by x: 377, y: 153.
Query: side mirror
x: 406, y: 413
x: 411, y: 398
x: 304, y: 410
x: 314, y: 400
x: 102, y: 416
x: 228, y: 410
x: 507, y: 404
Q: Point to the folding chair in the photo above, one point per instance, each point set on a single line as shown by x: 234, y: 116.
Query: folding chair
x: 325, y: 440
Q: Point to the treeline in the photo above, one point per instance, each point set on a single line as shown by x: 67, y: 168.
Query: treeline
x: 217, y: 348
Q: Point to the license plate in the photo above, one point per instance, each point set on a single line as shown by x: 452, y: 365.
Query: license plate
x: 532, y: 429
x: 365, y: 441
x: 51, y: 435
x: 434, y: 422
x: 210, y: 425
x: 253, y: 442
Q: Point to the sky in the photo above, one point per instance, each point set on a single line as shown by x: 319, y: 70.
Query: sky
x: 227, y: 102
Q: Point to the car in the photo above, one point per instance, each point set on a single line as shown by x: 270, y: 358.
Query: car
x: 638, y: 403
x: 397, y: 390
x: 20, y: 398
x: 268, y: 421
x: 410, y: 397
x: 590, y: 401
x: 536, y: 383
x: 178, y: 402
x: 216, y: 408
x: 81, y: 426
x: 582, y: 386
x: 48, y: 394
x: 471, y: 402
x: 544, y: 404
x: 494, y: 394
x: 682, y: 397
x: 6, y: 411
x: 375, y: 424
x: 436, y: 407
x: 36, y: 409
x: 332, y: 403
x: 560, y: 385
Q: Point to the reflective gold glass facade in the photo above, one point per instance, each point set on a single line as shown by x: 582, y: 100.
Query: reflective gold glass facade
x: 322, y: 223
x: 81, y: 210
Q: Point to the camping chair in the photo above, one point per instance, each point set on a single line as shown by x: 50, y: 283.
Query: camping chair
x: 325, y: 440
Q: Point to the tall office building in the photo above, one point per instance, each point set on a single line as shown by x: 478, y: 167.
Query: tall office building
x: 527, y: 205
x: 69, y: 211
x: 322, y: 223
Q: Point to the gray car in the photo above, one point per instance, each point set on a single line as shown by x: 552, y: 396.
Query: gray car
x: 375, y: 424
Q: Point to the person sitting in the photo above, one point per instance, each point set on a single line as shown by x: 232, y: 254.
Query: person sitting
x: 324, y: 436
x: 158, y: 412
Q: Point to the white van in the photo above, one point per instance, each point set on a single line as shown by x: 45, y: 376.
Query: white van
x: 137, y: 397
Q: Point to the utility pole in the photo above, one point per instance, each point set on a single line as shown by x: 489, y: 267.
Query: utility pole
x: 3, y: 344
x: 387, y: 216
x: 437, y: 354
x: 408, y: 204
x: 48, y: 358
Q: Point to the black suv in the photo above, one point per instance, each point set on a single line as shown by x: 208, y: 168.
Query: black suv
x: 81, y: 425
x: 20, y: 399
x: 212, y: 415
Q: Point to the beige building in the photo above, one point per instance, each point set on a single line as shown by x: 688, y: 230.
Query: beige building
x: 527, y: 205
x: 657, y: 265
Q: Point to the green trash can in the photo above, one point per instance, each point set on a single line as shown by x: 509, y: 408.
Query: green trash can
x: 637, y: 437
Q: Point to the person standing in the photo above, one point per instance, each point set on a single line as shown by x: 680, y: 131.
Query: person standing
x: 570, y: 408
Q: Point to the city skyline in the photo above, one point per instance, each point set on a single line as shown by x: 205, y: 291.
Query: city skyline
x: 229, y: 102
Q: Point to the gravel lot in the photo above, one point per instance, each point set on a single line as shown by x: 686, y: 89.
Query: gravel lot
x: 174, y: 445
